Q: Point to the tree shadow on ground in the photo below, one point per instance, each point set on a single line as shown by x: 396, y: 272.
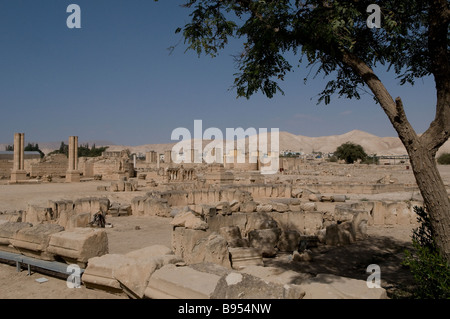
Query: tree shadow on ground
x: 352, y: 261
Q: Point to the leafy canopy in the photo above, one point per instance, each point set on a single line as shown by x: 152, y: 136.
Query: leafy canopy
x: 319, y: 31
x: 350, y: 152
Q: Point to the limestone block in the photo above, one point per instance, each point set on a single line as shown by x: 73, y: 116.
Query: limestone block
x: 100, y: 271
x: 269, y: 190
x: 184, y: 240
x: 223, y: 208
x: 77, y: 246
x: 234, y: 206
x: 242, y: 257
x: 190, y: 198
x: 237, y: 285
x: 337, y: 235
x: 314, y: 198
x: 275, y: 191
x: 92, y: 205
x: 308, y: 207
x: 279, y: 207
x: 343, y: 213
x: 78, y: 220
x: 59, y: 206
x: 404, y: 215
x: 156, y: 207
x: 390, y: 214
x: 137, y: 205
x: 204, y: 197
x: 248, y: 206
x: 208, y: 210
x: 326, y: 286
x: 33, y: 241
x: 117, y: 210
x: 189, y: 220
x: 198, y: 197
x: 313, y: 222
x: 265, y: 240
x: 287, y: 191
x: 233, y: 236
x: 171, y: 282
x: 236, y: 219
x: 359, y: 224
x: 378, y: 213
x: 339, y: 198
x: 36, y: 214
x: 259, y: 221
x: 295, y: 207
x: 264, y: 208
x: 326, y: 198
x: 134, y: 276
x: 8, y: 231
x: 296, y: 192
x: 288, y: 241
x: 213, y: 248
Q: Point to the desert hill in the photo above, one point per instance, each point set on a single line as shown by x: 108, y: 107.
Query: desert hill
x: 372, y: 144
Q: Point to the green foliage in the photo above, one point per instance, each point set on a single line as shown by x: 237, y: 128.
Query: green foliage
x: 350, y: 152
x: 318, y: 32
x: 83, y: 150
x: 430, y: 270
x: 29, y: 148
x: 444, y: 159
x: 33, y: 148
x: 63, y: 149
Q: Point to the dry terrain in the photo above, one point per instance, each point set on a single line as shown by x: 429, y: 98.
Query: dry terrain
x: 385, y: 245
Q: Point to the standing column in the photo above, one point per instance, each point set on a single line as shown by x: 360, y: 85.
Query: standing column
x: 18, y: 173
x: 72, y: 174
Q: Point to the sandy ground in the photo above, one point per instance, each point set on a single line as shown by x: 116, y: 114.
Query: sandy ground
x: 385, y: 245
x: 122, y: 238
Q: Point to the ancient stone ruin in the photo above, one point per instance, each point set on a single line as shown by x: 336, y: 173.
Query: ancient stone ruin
x: 228, y: 225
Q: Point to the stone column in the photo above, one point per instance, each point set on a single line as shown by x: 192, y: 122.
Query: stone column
x: 72, y: 174
x: 168, y: 157
x: 18, y: 173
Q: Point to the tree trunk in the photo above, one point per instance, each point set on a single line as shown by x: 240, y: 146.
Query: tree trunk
x: 421, y: 150
x: 434, y: 193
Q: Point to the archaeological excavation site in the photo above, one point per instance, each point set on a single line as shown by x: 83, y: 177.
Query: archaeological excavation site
x: 150, y: 228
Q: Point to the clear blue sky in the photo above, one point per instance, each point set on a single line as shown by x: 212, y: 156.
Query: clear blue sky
x: 114, y: 80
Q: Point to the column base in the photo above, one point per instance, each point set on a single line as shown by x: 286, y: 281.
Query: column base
x: 17, y: 176
x: 73, y: 177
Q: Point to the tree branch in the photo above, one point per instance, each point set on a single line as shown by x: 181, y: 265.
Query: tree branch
x: 439, y: 131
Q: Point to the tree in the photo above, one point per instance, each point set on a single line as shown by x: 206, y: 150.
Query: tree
x: 350, y: 152
x: 33, y: 148
x: 333, y: 36
x: 444, y: 159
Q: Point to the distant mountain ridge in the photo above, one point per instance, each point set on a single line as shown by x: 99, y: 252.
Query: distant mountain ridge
x: 372, y: 144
